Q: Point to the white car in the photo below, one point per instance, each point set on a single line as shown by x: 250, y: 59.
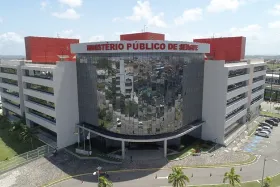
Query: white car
x: 265, y: 128
x: 263, y: 134
x: 119, y: 123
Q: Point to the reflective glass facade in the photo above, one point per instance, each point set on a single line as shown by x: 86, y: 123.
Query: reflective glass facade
x: 140, y: 93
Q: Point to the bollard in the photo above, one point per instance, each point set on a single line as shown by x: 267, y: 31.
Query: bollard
x: 210, y: 174
x: 192, y: 174
x: 241, y: 169
x: 156, y: 176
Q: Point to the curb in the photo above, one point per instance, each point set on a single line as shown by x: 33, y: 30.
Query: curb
x: 92, y: 158
x: 147, y: 169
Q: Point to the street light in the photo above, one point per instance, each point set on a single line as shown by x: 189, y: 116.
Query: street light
x: 97, y: 172
x: 266, y: 159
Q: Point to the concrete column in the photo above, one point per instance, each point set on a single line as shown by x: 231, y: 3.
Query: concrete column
x: 78, y: 136
x: 123, y: 149
x: 165, y: 148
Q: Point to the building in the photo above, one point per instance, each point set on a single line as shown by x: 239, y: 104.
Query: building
x: 11, y: 89
x: 146, y: 86
x: 46, y: 95
x: 141, y: 92
x: 47, y: 50
x: 142, y: 36
x: 230, y: 49
x: 272, y: 88
x: 234, y: 91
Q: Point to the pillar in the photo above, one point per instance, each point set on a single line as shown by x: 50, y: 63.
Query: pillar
x: 78, y: 136
x: 165, y: 148
x: 123, y: 149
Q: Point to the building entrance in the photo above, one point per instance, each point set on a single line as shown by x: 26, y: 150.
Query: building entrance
x: 143, y: 145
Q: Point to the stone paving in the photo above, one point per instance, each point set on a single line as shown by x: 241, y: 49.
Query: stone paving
x: 45, y: 170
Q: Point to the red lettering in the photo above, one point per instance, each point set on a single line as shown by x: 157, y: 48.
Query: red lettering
x: 175, y: 46
x: 156, y: 46
x: 170, y: 46
x: 120, y: 46
x: 142, y: 46
x: 188, y: 47
x: 113, y: 47
x: 107, y: 47
x: 162, y: 46
x: 149, y: 47
x: 128, y: 46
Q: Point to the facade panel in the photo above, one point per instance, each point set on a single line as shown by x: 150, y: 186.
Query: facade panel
x: 140, y: 93
x: 49, y: 50
x: 142, y: 36
x: 228, y: 49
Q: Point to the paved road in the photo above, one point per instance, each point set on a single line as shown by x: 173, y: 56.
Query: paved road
x: 266, y: 147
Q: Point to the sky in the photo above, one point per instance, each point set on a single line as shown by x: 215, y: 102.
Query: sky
x: 182, y: 20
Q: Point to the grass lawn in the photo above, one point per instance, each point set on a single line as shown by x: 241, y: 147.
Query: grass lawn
x: 11, y: 146
x: 275, y: 183
x: 265, y: 113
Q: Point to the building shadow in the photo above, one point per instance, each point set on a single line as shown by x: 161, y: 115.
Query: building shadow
x: 73, y: 166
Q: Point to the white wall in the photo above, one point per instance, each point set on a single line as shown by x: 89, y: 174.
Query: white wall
x: 214, y: 100
x: 66, y: 104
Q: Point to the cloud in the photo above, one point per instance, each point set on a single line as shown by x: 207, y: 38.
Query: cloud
x: 143, y: 11
x: 68, y: 14
x: 116, y: 19
x: 275, y: 10
x: 68, y: 34
x: 43, y: 5
x: 274, y: 25
x: 189, y: 15
x: 223, y: 5
x: 97, y: 38
x: 72, y: 3
x: 11, y: 36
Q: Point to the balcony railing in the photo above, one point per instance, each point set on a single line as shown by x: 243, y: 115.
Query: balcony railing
x: 40, y: 88
x: 260, y: 68
x: 41, y: 102
x: 257, y: 79
x: 236, y: 86
x: 10, y: 81
x: 235, y: 73
x: 11, y: 103
x: 10, y: 92
x: 256, y: 99
x: 8, y: 70
x: 234, y: 112
x: 45, y: 116
x: 235, y: 99
x: 257, y: 89
x: 39, y: 74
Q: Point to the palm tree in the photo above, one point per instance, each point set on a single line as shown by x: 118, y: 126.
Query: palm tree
x: 177, y: 177
x: 27, y: 134
x: 267, y: 181
x: 104, y: 182
x: 232, y: 178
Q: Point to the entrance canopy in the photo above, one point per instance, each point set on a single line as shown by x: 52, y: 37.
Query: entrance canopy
x: 141, y: 138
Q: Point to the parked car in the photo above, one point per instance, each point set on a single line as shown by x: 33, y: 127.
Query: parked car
x: 259, y: 129
x: 275, y: 120
x: 265, y: 124
x: 265, y: 128
x: 263, y: 134
x: 271, y: 122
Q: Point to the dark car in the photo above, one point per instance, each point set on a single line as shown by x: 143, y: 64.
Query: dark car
x: 276, y: 120
x: 271, y: 122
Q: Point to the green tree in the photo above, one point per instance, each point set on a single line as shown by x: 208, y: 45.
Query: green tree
x: 28, y: 134
x: 267, y: 182
x: 177, y: 178
x: 104, y: 182
x: 232, y: 177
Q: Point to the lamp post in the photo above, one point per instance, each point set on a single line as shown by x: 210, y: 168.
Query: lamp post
x: 264, y: 161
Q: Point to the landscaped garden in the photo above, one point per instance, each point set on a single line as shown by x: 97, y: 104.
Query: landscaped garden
x: 189, y: 146
x: 16, y: 138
